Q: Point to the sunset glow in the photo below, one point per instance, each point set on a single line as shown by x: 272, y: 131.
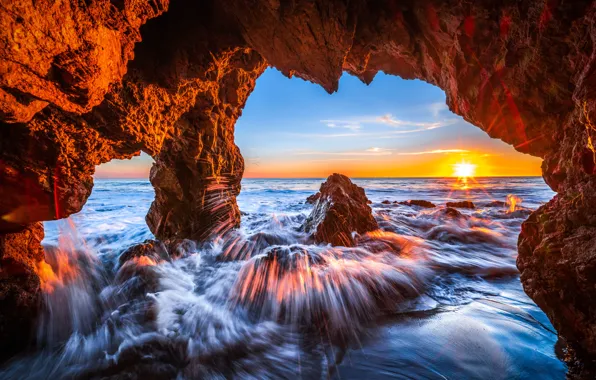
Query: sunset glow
x: 464, y: 170
x: 390, y: 128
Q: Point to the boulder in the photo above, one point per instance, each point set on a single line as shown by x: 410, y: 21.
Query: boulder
x: 419, y: 203
x: 461, y: 204
x: 496, y: 204
x: 341, y: 210
x: 154, y: 250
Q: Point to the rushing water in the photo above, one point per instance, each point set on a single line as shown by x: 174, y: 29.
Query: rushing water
x: 432, y: 295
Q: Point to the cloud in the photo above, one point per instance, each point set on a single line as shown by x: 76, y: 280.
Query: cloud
x: 390, y: 120
x: 437, y: 108
x: 368, y: 152
x: 436, y: 151
x: 344, y: 125
x: 357, y: 123
x: 378, y: 150
x: 324, y: 135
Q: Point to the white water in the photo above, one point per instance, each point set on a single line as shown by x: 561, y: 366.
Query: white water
x: 433, y: 294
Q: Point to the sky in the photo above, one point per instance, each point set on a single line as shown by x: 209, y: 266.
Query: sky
x: 390, y: 128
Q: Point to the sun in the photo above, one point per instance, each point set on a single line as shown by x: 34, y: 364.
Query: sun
x: 464, y: 170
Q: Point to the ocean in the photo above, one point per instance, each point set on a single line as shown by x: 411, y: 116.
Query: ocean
x: 434, y: 294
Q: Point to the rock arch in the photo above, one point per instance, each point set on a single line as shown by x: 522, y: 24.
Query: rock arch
x: 81, y: 84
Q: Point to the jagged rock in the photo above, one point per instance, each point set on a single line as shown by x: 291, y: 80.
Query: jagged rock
x: 419, y: 203
x: 154, y: 250
x: 20, y: 294
x: 312, y: 199
x: 461, y: 204
x: 341, y: 210
x: 386, y: 202
x: 556, y: 259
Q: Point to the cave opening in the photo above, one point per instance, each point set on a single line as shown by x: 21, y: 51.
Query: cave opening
x: 521, y: 71
x: 389, y: 128
x: 114, y: 214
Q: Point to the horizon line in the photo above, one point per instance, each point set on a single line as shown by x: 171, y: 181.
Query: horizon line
x: 355, y: 177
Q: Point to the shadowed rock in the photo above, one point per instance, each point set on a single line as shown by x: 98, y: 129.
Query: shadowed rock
x: 20, y: 256
x: 450, y: 212
x: 419, y: 203
x: 461, y: 204
x: 311, y: 200
x: 496, y: 204
x: 341, y: 210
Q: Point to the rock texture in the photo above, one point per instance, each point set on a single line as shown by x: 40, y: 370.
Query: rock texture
x: 20, y: 294
x: 461, y: 204
x: 341, y: 210
x: 419, y: 203
x: 154, y: 250
x: 82, y: 83
x: 312, y: 199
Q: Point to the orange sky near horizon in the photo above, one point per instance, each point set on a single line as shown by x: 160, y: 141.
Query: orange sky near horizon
x: 430, y: 165
x: 383, y: 165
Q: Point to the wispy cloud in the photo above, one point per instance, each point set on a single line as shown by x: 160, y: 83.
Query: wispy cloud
x: 368, y: 152
x: 436, y: 151
x: 390, y: 120
x: 344, y: 125
x: 325, y: 135
x: 436, y: 108
x: 357, y: 123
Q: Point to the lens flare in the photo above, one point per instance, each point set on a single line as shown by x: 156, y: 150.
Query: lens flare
x: 464, y: 170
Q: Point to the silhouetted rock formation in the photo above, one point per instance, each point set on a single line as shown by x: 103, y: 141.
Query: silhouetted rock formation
x: 341, y: 210
x: 419, y: 203
x: 73, y: 97
x: 461, y: 204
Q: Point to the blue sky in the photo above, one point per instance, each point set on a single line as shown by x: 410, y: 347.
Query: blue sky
x: 392, y: 127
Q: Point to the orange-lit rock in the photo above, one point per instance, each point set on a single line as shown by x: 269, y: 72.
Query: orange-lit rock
x: 461, y: 204
x: 341, y: 210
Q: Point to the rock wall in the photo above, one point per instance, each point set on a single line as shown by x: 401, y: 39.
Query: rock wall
x: 21, y: 258
x: 75, y: 91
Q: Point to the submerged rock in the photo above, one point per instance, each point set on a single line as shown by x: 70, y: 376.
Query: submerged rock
x: 419, y: 203
x: 152, y: 249
x: 496, y: 204
x: 341, y: 210
x: 181, y: 248
x: 461, y: 204
x: 451, y: 213
x: 386, y: 202
x: 311, y: 200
